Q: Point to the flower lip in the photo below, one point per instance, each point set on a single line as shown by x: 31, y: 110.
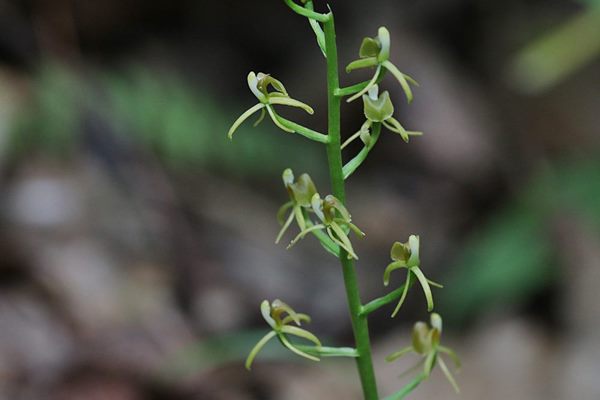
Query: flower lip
x: 377, y: 108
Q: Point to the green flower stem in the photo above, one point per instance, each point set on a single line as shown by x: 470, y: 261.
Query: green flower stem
x: 307, y: 13
x: 350, y: 90
x: 384, y: 300
x: 353, y: 164
x: 324, y: 351
x: 302, y: 130
x: 360, y: 326
x: 406, y: 390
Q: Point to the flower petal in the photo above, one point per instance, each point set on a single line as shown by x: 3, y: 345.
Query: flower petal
x: 242, y: 118
x: 449, y: 376
x: 260, y: 118
x: 401, y: 79
x: 304, y: 232
x: 284, y: 228
x: 291, y: 347
x: 303, y: 333
x: 257, y: 348
x: 396, y: 355
x: 404, y: 292
x: 366, y: 88
x: 361, y: 63
x: 265, y: 310
x: 287, y: 101
x: 425, y: 285
x: 390, y: 268
x: 276, y: 120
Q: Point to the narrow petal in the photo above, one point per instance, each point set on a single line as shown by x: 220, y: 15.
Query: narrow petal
x: 300, y: 317
x: 435, y: 284
x: 242, y: 118
x: 401, y: 79
x: 303, y: 333
x: 282, y: 210
x: 390, y: 268
x: 425, y: 285
x: 287, y: 101
x: 276, y: 120
x: 446, y: 372
x: 412, y: 369
x: 404, y: 292
x: 361, y: 63
x: 366, y: 88
x: 450, y: 353
x: 291, y: 347
x: 257, y: 348
x: 351, y: 139
x: 339, y: 232
x: 396, y: 355
x: 411, y: 80
x: 284, y: 227
x: 429, y: 360
x: 356, y: 230
x: 304, y: 232
x: 393, y: 125
x: 284, y: 307
x: 299, y: 217
x: 265, y: 310
x: 384, y: 38
x: 330, y: 199
x: 260, y: 118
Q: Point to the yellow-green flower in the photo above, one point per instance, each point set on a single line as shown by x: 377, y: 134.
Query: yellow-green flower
x: 406, y: 255
x: 275, y: 315
x: 378, y: 108
x: 375, y: 52
x: 426, y: 343
x: 335, y: 220
x: 259, y: 85
x: 301, y: 192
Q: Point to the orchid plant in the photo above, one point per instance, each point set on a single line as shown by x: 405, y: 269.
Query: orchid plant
x: 327, y: 218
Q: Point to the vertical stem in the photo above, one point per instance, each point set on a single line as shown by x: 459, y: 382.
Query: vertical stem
x: 334, y: 156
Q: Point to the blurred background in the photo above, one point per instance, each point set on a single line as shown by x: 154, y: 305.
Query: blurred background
x: 136, y: 241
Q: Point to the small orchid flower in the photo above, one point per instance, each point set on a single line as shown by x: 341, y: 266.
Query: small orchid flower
x: 337, y: 227
x: 406, y: 255
x: 301, y: 192
x: 378, y: 108
x: 375, y: 52
x: 259, y: 85
x: 281, y: 326
x: 426, y: 343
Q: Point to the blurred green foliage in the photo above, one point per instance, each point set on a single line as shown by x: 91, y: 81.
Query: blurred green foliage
x: 185, y: 127
x: 513, y: 256
x: 555, y: 56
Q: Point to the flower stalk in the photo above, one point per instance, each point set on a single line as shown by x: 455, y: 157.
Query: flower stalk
x: 327, y: 218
